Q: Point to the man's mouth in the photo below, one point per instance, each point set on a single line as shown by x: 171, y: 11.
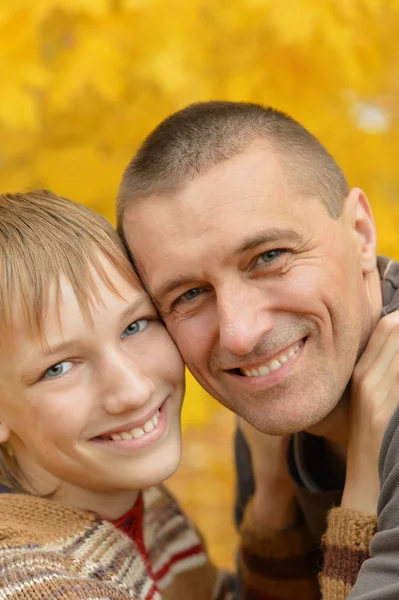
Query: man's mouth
x: 272, y: 364
x: 134, y: 433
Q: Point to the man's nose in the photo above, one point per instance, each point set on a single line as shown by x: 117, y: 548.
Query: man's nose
x: 244, y: 318
x: 125, y: 386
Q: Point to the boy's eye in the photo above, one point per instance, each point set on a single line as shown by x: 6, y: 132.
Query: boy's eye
x: 269, y: 256
x: 135, y: 327
x: 58, y: 369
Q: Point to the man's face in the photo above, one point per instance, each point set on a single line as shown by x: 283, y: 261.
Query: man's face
x: 263, y: 292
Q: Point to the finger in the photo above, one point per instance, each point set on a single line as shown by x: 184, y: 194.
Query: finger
x: 391, y: 397
x: 377, y: 380
x: 375, y: 390
x: 387, y: 329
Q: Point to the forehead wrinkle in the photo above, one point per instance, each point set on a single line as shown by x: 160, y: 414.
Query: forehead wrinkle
x: 176, y: 211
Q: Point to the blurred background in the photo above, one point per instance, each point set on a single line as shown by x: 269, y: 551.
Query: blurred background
x: 83, y: 81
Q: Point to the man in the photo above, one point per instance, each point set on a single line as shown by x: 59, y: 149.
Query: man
x: 262, y: 263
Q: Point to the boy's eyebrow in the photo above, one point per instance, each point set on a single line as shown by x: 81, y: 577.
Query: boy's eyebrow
x: 62, y: 346
x: 135, y: 305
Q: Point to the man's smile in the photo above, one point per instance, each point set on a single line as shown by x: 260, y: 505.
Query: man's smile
x: 272, y: 364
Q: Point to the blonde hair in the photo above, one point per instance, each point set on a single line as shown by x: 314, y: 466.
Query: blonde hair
x: 43, y: 237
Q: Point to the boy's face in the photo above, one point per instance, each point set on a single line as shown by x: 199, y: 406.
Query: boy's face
x: 99, y: 410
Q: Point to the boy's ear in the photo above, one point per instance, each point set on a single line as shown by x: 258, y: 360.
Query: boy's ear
x: 361, y: 220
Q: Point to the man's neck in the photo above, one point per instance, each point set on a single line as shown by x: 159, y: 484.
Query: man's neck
x: 335, y: 428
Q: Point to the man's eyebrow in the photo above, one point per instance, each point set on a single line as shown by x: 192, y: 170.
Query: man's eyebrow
x: 273, y: 235
x: 132, y: 307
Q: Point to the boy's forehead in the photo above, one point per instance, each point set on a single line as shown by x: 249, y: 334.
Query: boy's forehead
x: 60, y: 300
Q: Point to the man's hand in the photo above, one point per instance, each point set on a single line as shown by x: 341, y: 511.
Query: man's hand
x: 274, y: 504
x: 374, y: 399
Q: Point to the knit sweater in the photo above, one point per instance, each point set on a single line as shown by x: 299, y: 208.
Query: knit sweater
x: 48, y: 550
x: 379, y: 576
x: 52, y: 551
x: 280, y: 566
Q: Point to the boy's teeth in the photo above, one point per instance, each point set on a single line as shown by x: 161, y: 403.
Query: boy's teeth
x: 149, y: 426
x: 137, y: 432
x: 274, y: 364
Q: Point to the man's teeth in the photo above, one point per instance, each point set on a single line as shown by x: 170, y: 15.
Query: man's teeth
x: 274, y: 363
x: 136, y: 432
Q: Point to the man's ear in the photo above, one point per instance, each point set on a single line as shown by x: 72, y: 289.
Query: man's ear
x: 360, y: 219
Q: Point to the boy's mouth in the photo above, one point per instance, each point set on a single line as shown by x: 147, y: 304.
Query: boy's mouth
x: 132, y: 433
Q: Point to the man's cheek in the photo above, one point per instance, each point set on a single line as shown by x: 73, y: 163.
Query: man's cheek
x: 172, y: 328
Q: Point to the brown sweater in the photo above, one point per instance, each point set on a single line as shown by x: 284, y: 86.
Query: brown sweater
x: 379, y: 576
x: 282, y: 566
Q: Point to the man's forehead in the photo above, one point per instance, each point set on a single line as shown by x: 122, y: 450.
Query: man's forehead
x: 165, y: 229
x: 254, y: 171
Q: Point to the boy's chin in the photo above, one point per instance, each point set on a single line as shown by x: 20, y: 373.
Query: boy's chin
x: 160, y: 470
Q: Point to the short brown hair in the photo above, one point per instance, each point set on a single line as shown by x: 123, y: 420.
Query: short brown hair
x: 42, y: 237
x: 194, y: 139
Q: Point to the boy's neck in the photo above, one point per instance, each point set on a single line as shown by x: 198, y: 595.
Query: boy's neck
x: 106, y: 504
x: 110, y: 506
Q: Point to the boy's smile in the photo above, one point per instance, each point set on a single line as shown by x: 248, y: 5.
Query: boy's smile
x: 136, y: 435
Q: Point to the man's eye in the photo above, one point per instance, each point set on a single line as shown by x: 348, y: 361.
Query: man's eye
x: 58, y: 369
x: 191, y: 294
x: 269, y: 256
x: 135, y: 327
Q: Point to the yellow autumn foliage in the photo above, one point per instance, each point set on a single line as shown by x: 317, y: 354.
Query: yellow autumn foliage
x: 83, y: 81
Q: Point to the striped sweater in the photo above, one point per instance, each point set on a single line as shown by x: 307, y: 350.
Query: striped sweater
x: 48, y: 550
x: 52, y: 551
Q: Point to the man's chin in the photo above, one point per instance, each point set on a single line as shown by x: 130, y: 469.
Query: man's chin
x: 288, y: 423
